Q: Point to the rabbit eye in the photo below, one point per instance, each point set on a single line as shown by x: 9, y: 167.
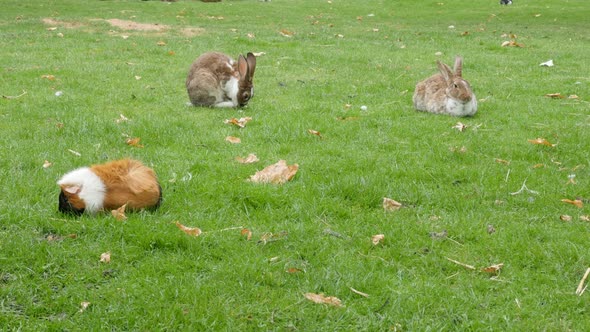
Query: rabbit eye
x: 246, y: 96
x: 455, y: 85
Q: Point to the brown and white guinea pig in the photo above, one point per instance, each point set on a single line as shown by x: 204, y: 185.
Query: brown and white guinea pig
x: 109, y: 186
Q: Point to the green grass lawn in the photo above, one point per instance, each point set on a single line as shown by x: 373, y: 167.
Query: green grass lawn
x: 312, y: 234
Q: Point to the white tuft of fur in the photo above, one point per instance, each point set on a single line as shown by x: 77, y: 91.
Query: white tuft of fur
x: 231, y: 91
x: 458, y: 108
x: 92, y: 188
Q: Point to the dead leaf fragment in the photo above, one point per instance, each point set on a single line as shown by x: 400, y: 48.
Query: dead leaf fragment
x: 502, y: 161
x: 576, y: 202
x: 49, y: 77
x: 119, y: 213
x: 277, y: 173
x: 460, y: 126
x: 491, y: 229
x: 493, y: 269
x: 105, y: 257
x: 122, y: 118
x: 233, y: 140
x: 241, y: 122
x: 390, y: 204
x: 250, y: 159
x: 192, y: 231
x: 565, y: 217
x: 286, y: 33
x: 556, y: 95
x: 512, y: 43
x: 247, y: 233
x: 258, y: 54
x: 573, y: 97
x: 47, y: 164
x: 541, y: 141
x: 585, y: 218
x: 134, y: 142
x: 377, y: 238
x: 293, y: 270
x: 321, y: 299
x: 83, y: 306
x: 314, y: 132
x: 161, y: 43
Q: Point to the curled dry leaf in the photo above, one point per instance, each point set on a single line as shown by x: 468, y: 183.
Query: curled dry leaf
x: 390, y: 204
x: 502, y: 161
x: 119, y: 213
x: 585, y: 218
x: 576, y: 202
x: 49, y: 77
x: 321, y: 299
x: 293, y: 270
x: 248, y: 160
x: 247, y: 233
x: 105, y: 257
x: 555, y: 95
x: 277, y: 173
x: 83, y: 306
x: 161, y: 43
x: 47, y: 164
x: 377, y: 238
x: 233, y: 140
x: 192, y: 231
x: 460, y: 126
x: 134, y: 142
x: 241, y: 122
x: 314, y: 132
x: 286, y: 33
x: 541, y: 141
x: 565, y: 217
x: 493, y: 269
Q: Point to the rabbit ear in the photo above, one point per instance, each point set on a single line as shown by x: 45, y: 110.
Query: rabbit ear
x: 251, y: 59
x: 74, y: 190
x: 458, y: 66
x: 242, y: 67
x: 445, y: 71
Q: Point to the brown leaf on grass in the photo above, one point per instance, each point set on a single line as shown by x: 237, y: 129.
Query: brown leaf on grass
x: 277, y: 173
x: 377, y: 238
x: 573, y: 97
x: 83, y: 306
x: 502, y: 161
x: 585, y: 218
x: 555, y: 95
x: 105, y: 257
x: 538, y: 165
x: 565, y: 217
x: 134, y: 142
x: 241, y: 122
x: 293, y: 270
x: 576, y: 202
x: 119, y: 213
x: 460, y: 126
x: 233, y: 140
x: 512, y: 43
x: 286, y: 33
x: 161, y: 43
x: 390, y: 204
x: 49, y: 77
x: 259, y: 54
x: 321, y: 299
x: 47, y: 164
x: 247, y: 233
x: 192, y: 231
x: 314, y: 132
x: 493, y: 269
x: 541, y: 141
x: 248, y: 160
x: 270, y: 237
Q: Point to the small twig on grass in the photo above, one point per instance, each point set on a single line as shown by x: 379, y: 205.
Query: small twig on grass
x: 462, y: 264
x: 524, y: 188
x: 455, y: 241
x: 371, y: 256
x: 14, y: 97
x: 580, y: 290
x: 382, y: 306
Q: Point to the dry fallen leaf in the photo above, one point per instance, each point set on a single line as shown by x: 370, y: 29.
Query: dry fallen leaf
x: 293, y: 270
x: 47, y: 164
x: 119, y: 213
x: 390, y: 204
x: 377, y: 238
x: 457, y: 149
x: 573, y: 97
x: 565, y: 217
x: 161, y: 43
x: 491, y: 229
x: 538, y: 165
x: 493, y: 268
x: 314, y: 132
x: 241, y: 123
x: 321, y: 299
x: 460, y: 126
x: 541, y: 141
x: 286, y: 33
x: 248, y: 160
x: 502, y: 161
x: 233, y: 140
x: 585, y: 218
x: 49, y: 77
x: 277, y: 173
x: 122, y: 118
x: 556, y: 95
x: 512, y: 43
x: 83, y: 306
x: 577, y: 203
x: 134, y: 142
x: 193, y: 231
x: 105, y: 257
x: 258, y: 54
x: 247, y: 233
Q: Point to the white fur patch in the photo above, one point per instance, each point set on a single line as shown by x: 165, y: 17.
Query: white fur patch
x: 458, y: 108
x: 231, y: 91
x: 92, y: 188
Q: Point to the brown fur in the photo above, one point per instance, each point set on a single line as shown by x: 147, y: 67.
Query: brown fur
x: 128, y: 182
